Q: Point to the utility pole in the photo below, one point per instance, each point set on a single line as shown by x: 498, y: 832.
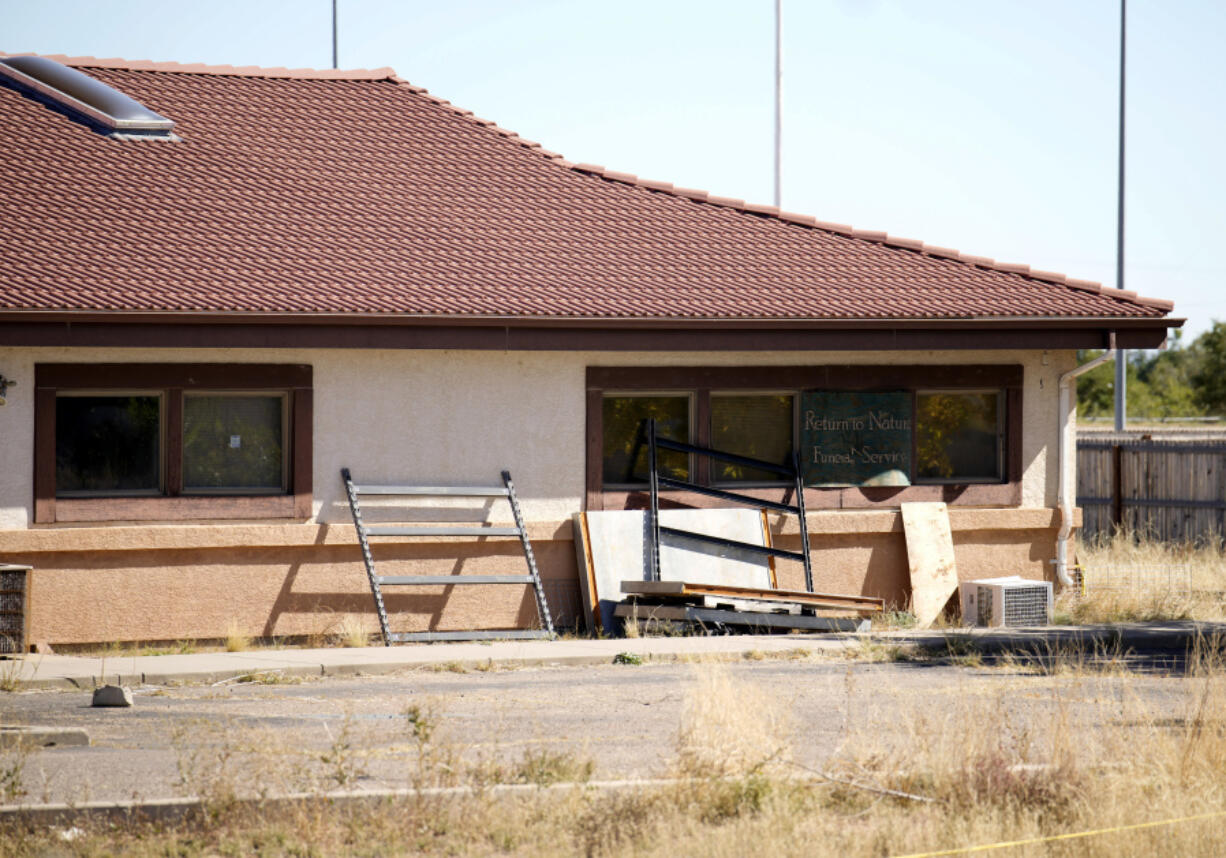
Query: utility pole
x: 334, y: 34
x: 1121, y: 356
x: 778, y: 103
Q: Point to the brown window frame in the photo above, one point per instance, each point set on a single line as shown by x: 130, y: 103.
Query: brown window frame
x: 702, y: 380
x: 292, y: 380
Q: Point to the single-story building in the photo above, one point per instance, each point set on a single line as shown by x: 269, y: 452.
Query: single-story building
x: 210, y: 308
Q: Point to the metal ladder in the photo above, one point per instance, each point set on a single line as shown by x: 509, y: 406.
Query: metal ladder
x: 377, y: 582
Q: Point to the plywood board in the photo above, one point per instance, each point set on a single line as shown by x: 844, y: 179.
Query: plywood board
x: 930, y: 556
x: 587, y: 581
x: 616, y: 548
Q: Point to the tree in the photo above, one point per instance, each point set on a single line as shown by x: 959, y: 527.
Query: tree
x: 1167, y: 375
x: 1095, y: 389
x: 1209, y: 372
x: 1161, y: 384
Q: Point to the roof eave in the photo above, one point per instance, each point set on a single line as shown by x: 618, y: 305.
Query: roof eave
x: 536, y: 321
x: 297, y: 331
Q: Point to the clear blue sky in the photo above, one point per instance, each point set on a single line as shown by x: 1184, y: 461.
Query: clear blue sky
x: 985, y: 126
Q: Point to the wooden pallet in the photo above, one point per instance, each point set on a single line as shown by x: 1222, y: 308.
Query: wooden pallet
x: 673, y: 590
x: 756, y: 621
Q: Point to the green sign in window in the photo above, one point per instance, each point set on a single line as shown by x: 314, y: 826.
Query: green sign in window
x: 856, y: 439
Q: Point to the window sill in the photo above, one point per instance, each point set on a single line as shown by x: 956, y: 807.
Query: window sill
x: 175, y: 509
x: 995, y: 494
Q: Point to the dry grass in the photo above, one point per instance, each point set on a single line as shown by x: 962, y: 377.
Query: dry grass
x: 730, y: 728
x: 893, y: 620
x: 352, y: 632
x: 11, y: 670
x: 129, y: 649
x: 236, y: 640
x: 1085, y: 753
x: 1131, y: 580
x: 13, y: 773
x: 270, y: 677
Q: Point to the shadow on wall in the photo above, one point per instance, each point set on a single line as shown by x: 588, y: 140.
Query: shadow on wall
x: 485, y: 606
x: 430, y: 609
x: 175, y: 594
x: 422, y: 510
x: 847, y: 497
x: 864, y: 564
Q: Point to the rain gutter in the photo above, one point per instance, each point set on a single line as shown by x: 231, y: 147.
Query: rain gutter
x: 1066, y: 492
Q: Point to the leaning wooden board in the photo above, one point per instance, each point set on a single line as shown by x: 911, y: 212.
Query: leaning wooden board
x: 679, y: 589
x: 930, y: 556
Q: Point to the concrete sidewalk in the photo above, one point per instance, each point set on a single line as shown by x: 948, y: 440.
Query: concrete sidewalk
x: 68, y: 671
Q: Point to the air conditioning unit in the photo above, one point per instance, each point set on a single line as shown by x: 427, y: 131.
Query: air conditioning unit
x: 14, y: 608
x: 1012, y: 601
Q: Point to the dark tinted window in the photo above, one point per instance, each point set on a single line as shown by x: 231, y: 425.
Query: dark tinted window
x: 108, y: 444
x: 958, y: 436
x: 625, y: 448
x: 759, y: 427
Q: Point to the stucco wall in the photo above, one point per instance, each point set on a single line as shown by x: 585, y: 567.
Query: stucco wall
x: 451, y: 416
x: 442, y: 417
x: 125, y: 582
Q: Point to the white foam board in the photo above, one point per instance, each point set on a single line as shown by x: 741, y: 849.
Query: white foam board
x: 618, y: 543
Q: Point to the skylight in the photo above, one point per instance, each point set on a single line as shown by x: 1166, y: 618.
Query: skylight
x: 82, y: 94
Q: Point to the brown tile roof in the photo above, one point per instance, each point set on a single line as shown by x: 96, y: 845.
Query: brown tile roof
x: 355, y: 192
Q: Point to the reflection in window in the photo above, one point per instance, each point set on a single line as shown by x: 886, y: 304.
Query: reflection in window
x: 625, y: 445
x: 108, y: 444
x: 958, y: 436
x: 759, y: 427
x: 233, y: 442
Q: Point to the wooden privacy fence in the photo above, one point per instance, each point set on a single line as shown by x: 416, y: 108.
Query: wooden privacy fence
x: 1171, y: 490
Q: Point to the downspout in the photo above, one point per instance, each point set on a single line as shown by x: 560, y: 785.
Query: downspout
x: 1066, y: 491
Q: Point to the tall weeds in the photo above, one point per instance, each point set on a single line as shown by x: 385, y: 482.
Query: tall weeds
x: 730, y: 728
x: 1037, y: 756
x: 1128, y: 579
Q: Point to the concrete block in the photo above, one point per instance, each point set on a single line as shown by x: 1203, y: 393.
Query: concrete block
x: 113, y: 695
x: 41, y: 737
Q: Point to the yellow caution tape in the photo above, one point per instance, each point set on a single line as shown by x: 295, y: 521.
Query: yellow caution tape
x: 962, y: 850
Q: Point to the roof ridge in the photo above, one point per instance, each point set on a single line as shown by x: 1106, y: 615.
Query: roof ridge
x: 384, y: 73
x: 874, y: 236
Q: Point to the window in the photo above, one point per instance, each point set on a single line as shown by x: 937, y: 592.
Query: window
x: 958, y: 436
x: 896, y: 433
x: 172, y: 441
x: 625, y: 445
x: 108, y: 444
x: 752, y: 425
x: 234, y: 442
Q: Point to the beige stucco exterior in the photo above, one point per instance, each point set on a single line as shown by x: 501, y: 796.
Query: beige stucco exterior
x: 441, y: 417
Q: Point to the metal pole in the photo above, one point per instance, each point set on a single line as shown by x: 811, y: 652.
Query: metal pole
x: 778, y: 103
x: 334, y: 34
x: 653, y: 476
x: 1121, y: 357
